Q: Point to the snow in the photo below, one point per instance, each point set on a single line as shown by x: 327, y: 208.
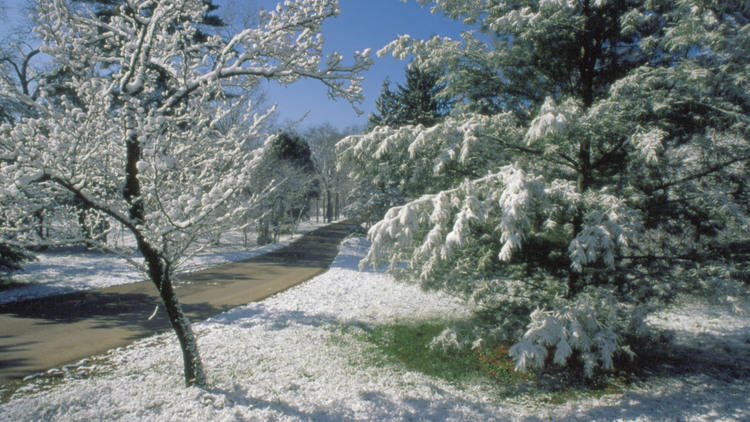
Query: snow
x: 296, y: 356
x: 65, y: 270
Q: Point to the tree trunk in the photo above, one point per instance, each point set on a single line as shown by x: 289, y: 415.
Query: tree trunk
x: 585, y: 178
x: 158, y: 268
x: 329, y: 206
x: 336, y: 207
x: 41, y: 230
x: 160, y: 274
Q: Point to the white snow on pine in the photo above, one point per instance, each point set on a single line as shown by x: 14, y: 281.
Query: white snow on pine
x: 288, y: 359
x: 65, y: 270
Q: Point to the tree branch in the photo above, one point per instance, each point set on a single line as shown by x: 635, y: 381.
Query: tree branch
x: 565, y: 161
x: 87, y: 200
x: 699, y: 175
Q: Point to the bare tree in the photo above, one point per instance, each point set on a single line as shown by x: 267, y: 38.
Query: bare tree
x: 322, y: 140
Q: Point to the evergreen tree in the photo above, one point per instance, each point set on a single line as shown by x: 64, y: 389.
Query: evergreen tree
x: 417, y: 102
x: 293, y: 149
x: 388, y: 106
x: 106, y: 9
x: 421, y: 99
x: 288, y: 172
x: 592, y: 166
x: 11, y: 257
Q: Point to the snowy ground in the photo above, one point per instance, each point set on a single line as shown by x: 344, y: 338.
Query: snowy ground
x: 290, y: 358
x: 65, y: 270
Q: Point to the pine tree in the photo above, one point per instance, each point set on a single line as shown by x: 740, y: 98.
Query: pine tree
x: 575, y: 171
x: 291, y: 148
x: 107, y: 9
x: 417, y: 103
x: 388, y: 106
x: 420, y: 98
x: 287, y: 167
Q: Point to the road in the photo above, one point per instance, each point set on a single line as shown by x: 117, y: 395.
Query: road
x: 49, y: 332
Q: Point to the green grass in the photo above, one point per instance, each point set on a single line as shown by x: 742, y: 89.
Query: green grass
x: 408, y: 344
x: 565, y: 395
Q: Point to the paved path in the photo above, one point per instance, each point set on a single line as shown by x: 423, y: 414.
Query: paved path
x: 44, y: 333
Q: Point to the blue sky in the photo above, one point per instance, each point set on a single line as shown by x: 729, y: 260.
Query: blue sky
x: 362, y: 24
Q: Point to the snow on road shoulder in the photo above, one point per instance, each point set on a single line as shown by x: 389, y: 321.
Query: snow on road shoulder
x: 65, y: 270
x: 283, y: 359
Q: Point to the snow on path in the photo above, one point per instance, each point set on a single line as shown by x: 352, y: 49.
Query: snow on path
x: 288, y: 359
x: 65, y: 270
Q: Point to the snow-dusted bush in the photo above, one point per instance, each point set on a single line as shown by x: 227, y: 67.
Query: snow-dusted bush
x: 591, y: 327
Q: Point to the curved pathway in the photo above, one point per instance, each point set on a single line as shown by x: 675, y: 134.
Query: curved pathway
x: 48, y: 332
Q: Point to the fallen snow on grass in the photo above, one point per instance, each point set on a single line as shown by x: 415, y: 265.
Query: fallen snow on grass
x: 65, y: 270
x: 293, y: 357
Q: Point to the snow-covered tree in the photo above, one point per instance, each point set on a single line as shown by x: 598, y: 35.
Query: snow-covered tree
x: 594, y: 164
x: 20, y: 68
x: 322, y: 140
x: 142, y: 143
x: 11, y: 256
x: 288, y: 167
x: 14, y: 66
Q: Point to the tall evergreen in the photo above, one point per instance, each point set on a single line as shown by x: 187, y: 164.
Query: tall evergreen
x: 388, y: 106
x: 417, y: 102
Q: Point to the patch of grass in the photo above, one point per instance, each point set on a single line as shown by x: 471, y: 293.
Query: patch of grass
x: 564, y: 394
x: 408, y: 344
x: 497, y: 364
